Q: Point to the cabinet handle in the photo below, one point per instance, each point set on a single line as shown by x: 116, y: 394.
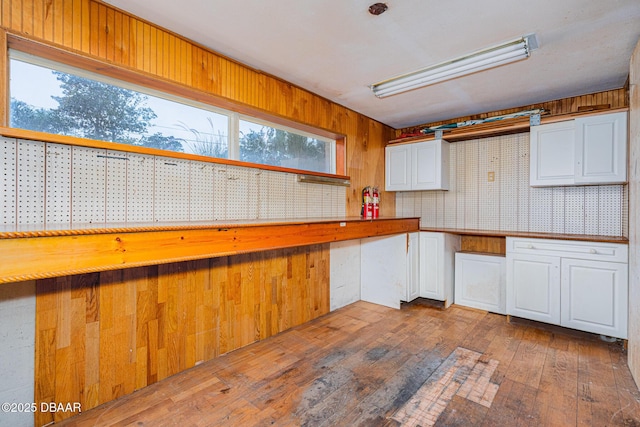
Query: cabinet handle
x: 529, y: 246
x: 593, y: 251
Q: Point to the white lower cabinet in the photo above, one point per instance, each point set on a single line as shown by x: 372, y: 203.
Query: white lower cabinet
x: 533, y: 287
x: 480, y: 281
x: 594, y: 296
x: 413, y: 267
x: 579, y: 285
x: 437, y: 255
x: 383, y: 270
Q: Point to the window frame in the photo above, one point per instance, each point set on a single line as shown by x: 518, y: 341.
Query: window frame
x: 155, y: 86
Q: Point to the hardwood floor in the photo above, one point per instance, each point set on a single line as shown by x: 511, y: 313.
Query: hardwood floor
x: 367, y: 365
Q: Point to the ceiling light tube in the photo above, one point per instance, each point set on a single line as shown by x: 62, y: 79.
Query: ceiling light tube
x: 481, y: 60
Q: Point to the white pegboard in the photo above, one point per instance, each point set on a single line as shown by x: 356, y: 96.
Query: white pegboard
x: 572, y: 214
x: 252, y: 205
x: 471, y: 185
x: 625, y: 211
x: 508, y: 181
x: 523, y: 182
x: 220, y: 192
x: 314, y: 200
x: 489, y: 192
x: 88, y: 185
x: 277, y: 199
x: 426, y: 203
x: 591, y: 210
x: 201, y: 191
x: 450, y: 207
x: 341, y: 194
x: 557, y: 210
x: 171, y: 190
x: 290, y: 195
x: 8, y: 162
x: 58, y: 187
x: 301, y: 200
x: 238, y: 184
x: 611, y: 202
x: 116, y: 193
x: 509, y: 203
x: 461, y: 195
x: 31, y: 184
x: 140, y: 187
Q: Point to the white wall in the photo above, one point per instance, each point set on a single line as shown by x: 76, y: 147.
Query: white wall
x: 509, y: 203
x: 17, y: 349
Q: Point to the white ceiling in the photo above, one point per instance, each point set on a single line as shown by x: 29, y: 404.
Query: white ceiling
x: 336, y: 49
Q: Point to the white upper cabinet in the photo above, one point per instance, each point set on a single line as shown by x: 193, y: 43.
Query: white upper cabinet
x: 585, y: 151
x: 601, y: 155
x: 417, y: 166
x: 552, y: 154
x: 398, y: 168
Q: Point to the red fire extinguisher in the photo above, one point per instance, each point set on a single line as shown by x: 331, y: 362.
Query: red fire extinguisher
x: 367, y: 203
x: 375, y: 200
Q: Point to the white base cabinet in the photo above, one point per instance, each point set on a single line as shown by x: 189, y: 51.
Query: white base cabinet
x: 437, y: 257
x: 383, y: 270
x: 480, y: 281
x: 413, y: 267
x: 579, y: 285
x: 533, y: 284
x: 594, y: 296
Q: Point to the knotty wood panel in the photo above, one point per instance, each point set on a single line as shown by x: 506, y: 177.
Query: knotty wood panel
x: 610, y: 99
x: 103, y: 335
x: 99, y: 31
x: 634, y: 218
x: 485, y: 244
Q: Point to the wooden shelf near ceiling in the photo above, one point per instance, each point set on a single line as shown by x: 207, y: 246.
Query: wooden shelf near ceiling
x: 501, y: 127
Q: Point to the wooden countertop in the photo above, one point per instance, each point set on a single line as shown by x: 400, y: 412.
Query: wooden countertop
x: 29, y: 252
x: 495, y: 233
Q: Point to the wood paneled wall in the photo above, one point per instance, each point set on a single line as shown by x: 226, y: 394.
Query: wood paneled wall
x: 99, y: 31
x: 103, y: 335
x: 634, y: 217
x: 617, y: 98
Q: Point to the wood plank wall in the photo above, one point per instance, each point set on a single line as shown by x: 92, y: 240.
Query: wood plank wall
x: 617, y: 98
x: 634, y: 218
x: 99, y: 31
x: 100, y: 336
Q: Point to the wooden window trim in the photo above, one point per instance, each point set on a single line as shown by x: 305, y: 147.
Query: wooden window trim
x: 12, y: 41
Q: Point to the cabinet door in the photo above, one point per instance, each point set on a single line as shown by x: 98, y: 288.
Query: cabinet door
x: 594, y: 296
x: 383, y: 270
x: 480, y: 281
x: 533, y: 287
x: 552, y: 154
x: 398, y: 168
x: 429, y: 161
x: 413, y: 266
x: 601, y: 149
x: 431, y: 274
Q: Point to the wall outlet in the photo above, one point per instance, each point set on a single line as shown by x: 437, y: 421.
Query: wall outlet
x: 491, y: 176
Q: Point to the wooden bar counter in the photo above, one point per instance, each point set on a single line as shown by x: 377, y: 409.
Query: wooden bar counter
x: 30, y: 253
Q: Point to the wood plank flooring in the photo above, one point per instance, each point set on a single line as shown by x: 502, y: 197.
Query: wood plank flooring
x: 367, y: 365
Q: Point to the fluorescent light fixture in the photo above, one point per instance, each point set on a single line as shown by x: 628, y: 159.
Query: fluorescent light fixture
x: 512, y: 51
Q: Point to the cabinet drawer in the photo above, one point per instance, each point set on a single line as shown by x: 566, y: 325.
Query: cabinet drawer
x: 596, y: 251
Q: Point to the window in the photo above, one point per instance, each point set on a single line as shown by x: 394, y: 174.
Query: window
x: 280, y: 146
x: 52, y: 97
